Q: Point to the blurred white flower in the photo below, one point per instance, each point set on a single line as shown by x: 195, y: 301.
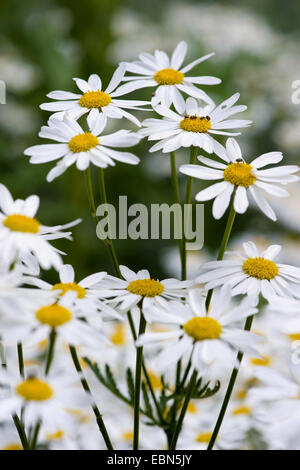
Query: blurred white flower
x: 21, y: 234
x: 43, y: 398
x: 88, y: 294
x: 203, y: 337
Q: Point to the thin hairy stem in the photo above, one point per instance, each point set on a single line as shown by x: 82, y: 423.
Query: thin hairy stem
x: 137, y: 385
x: 229, y: 390
x: 86, y: 388
x: 187, y: 200
x: 223, y: 245
x: 50, y: 354
x: 179, y: 423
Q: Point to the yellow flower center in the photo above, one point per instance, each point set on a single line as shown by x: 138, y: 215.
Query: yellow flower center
x: 21, y: 223
x: 168, y: 77
x: 83, y: 142
x: 94, y: 99
x: 127, y: 435
x: 13, y: 446
x: 242, y: 410
x: 242, y: 393
x: 79, y: 414
x: 67, y: 286
x: 195, y: 124
x: 239, y: 174
x: 204, y: 437
x: 260, y: 268
x: 200, y: 328
x: 294, y: 336
x: 56, y: 435
x: 261, y: 361
x: 83, y: 363
x: 155, y: 381
x: 34, y: 389
x: 191, y: 408
x: 146, y: 287
x: 118, y: 337
x: 53, y: 315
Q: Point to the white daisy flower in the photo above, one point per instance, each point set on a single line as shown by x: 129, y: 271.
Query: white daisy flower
x: 197, y: 435
x: 10, y: 280
x: 196, y: 126
x: 135, y: 287
x: 168, y: 76
x: 203, y: 337
x: 286, y: 305
x: 240, y: 178
x: 22, y: 234
x: 43, y: 398
x: 61, y: 439
x: 252, y: 273
x: 280, y: 392
x: 82, y: 148
x: 88, y: 295
x: 9, y: 438
x: 94, y: 100
x: 47, y: 314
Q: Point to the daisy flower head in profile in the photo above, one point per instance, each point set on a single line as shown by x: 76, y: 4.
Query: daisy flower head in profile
x: 198, y: 433
x: 80, y: 147
x: 196, y: 126
x: 88, y: 294
x: 47, y: 314
x: 241, y: 179
x: 41, y: 397
x: 252, y: 273
x: 93, y: 100
x: 21, y: 234
x: 205, y: 337
x: 140, y: 287
x: 168, y: 76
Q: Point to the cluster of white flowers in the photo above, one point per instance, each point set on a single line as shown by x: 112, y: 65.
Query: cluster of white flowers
x: 194, y: 336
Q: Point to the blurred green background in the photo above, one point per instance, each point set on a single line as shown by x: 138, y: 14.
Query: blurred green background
x: 45, y: 44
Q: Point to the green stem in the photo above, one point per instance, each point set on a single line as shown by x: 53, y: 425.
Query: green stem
x: 35, y: 436
x: 175, y: 185
x: 50, y: 355
x: 86, y: 388
x: 145, y: 372
x: 21, y: 431
x: 188, y: 196
x: 137, y: 386
x: 90, y: 193
x: 227, y: 397
x: 186, y: 373
x: 179, y: 423
x: 2, y: 355
x: 223, y: 245
x: 110, y: 243
x: 21, y: 359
